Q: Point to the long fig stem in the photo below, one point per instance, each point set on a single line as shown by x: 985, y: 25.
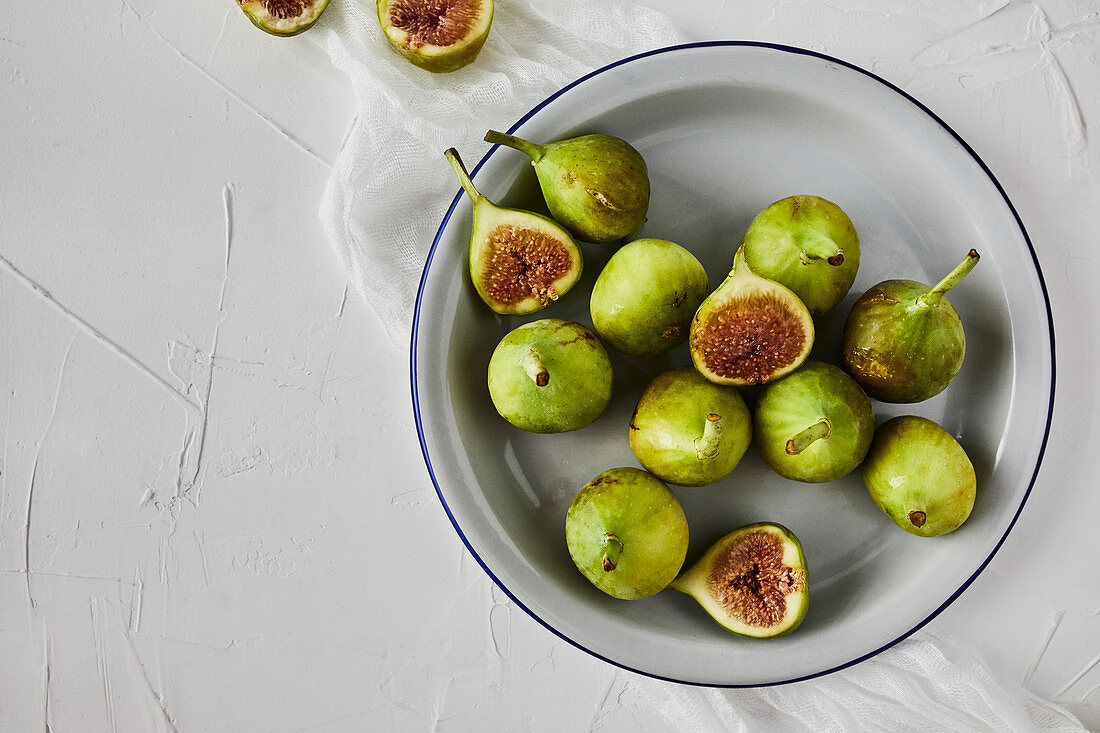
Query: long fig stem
x: 800, y: 442
x: 511, y: 141
x: 706, y: 445
x: 933, y: 296
x: 532, y: 366
x: 463, y: 175
x: 612, y: 548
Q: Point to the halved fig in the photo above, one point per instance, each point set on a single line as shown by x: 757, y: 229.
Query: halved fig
x: 283, y: 17
x: 520, y: 262
x: 752, y: 581
x: 437, y: 35
x: 750, y: 330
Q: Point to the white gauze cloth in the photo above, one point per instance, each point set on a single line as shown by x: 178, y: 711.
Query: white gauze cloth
x: 922, y: 684
x: 389, y: 189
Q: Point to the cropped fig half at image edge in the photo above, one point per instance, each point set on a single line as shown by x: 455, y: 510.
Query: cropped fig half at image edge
x: 283, y: 17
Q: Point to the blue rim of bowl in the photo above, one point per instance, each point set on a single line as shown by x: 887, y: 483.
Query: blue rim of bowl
x: 799, y: 52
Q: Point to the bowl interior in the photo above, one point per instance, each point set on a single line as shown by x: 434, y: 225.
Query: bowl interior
x: 726, y: 129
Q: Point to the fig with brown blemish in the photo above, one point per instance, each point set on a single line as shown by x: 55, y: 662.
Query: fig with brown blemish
x: 903, y: 341
x: 597, y: 186
x: 627, y: 533
x: 550, y: 376
x: 646, y: 295
x: 807, y: 243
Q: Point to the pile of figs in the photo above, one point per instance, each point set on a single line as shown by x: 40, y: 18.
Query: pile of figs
x: 810, y: 421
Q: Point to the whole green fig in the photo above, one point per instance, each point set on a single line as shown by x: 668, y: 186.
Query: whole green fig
x: 550, y: 376
x: 814, y: 425
x: 903, y: 341
x: 596, y: 186
x: 920, y: 476
x: 627, y: 533
x: 689, y: 431
x: 808, y: 244
x: 644, y: 299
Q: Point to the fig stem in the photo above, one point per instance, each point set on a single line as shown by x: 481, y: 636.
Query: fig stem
x: 511, y: 141
x: 800, y: 442
x: 818, y: 246
x: 935, y: 295
x: 706, y: 445
x: 739, y: 263
x: 463, y: 175
x: 532, y: 366
x: 612, y: 548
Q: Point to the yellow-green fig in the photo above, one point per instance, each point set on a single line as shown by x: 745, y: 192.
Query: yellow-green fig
x: 807, y: 243
x: 646, y: 295
x: 550, y: 376
x: 814, y: 425
x: 750, y: 330
x: 520, y: 262
x: 920, y: 476
x: 688, y: 431
x: 283, y: 17
x: 627, y: 533
x: 436, y: 36
x: 597, y: 186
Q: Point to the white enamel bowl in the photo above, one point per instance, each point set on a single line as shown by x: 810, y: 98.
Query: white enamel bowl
x: 726, y: 129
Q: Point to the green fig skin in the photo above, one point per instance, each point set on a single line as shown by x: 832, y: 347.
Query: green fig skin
x: 688, y: 431
x: 903, y: 341
x: 550, y: 376
x: 596, y: 186
x: 808, y: 244
x: 627, y: 533
x: 796, y: 406
x: 920, y: 476
x: 646, y: 295
x: 753, y: 581
x: 438, y: 59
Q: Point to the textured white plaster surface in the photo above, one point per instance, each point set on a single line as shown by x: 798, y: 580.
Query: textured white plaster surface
x: 214, y: 514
